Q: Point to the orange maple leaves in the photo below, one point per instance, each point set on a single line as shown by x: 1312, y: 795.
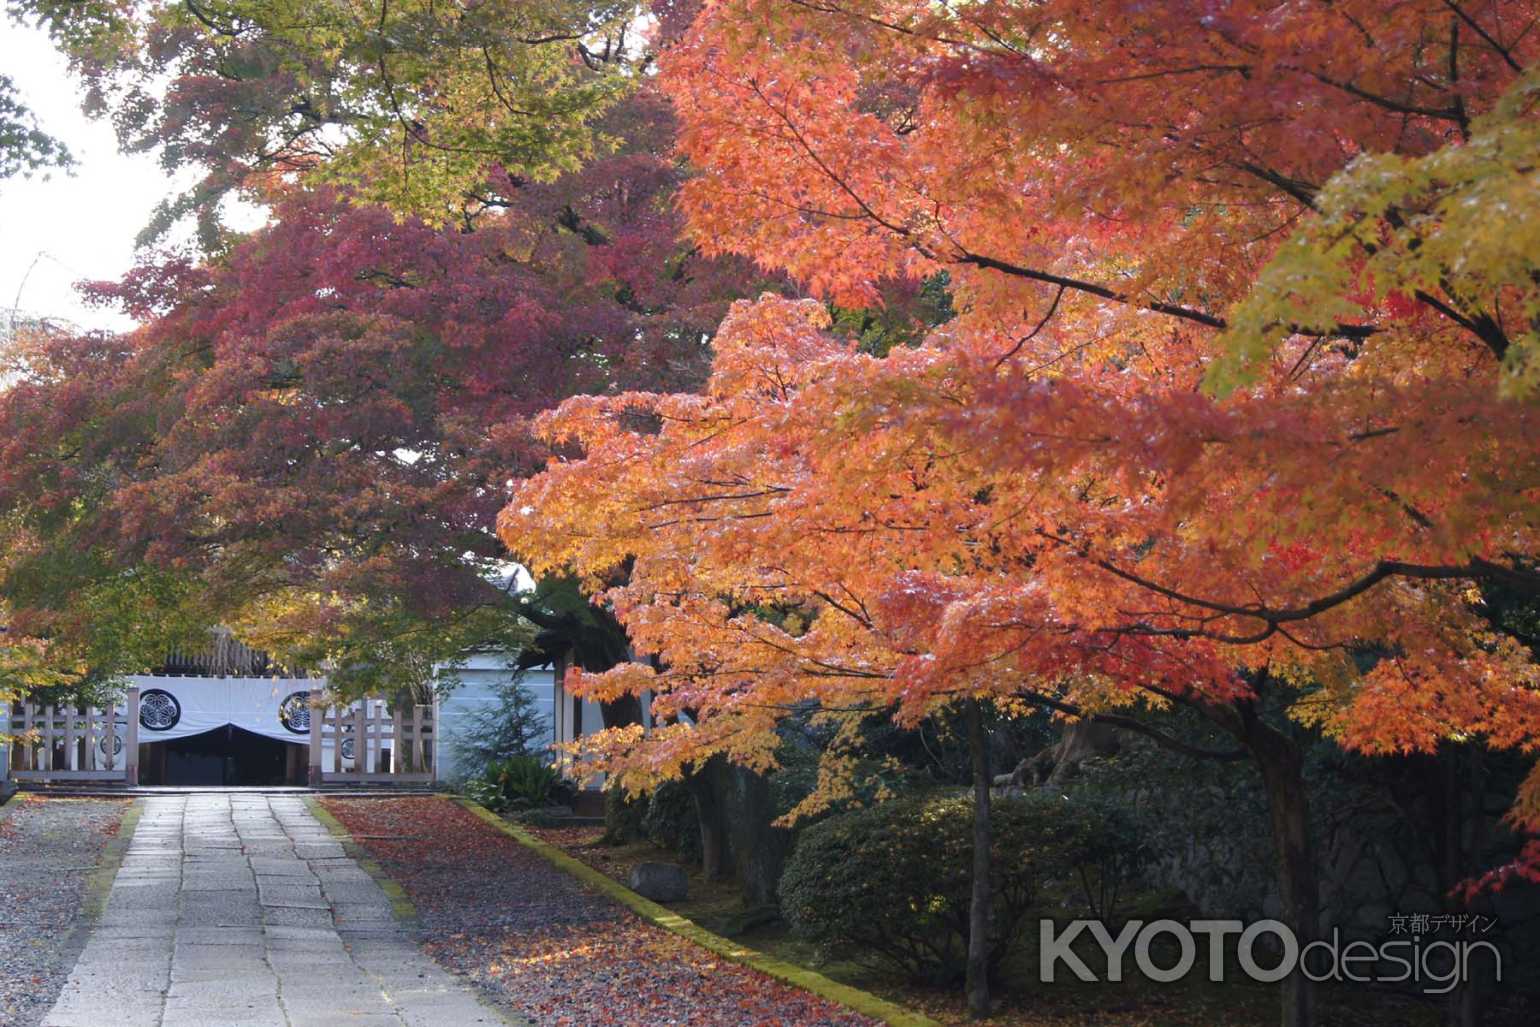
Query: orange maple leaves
x: 1052, y: 498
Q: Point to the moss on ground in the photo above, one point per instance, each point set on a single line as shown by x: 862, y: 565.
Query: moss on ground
x: 99, y: 887
x: 400, y: 903
x: 802, y: 976
x: 1022, y: 1001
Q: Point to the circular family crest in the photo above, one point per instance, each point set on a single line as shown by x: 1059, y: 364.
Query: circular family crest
x: 294, y: 712
x: 158, y: 710
x: 347, y: 748
x: 117, y: 744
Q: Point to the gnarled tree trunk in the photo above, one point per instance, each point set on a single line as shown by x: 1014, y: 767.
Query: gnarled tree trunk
x: 1056, y: 765
x: 702, y: 786
x: 736, y: 809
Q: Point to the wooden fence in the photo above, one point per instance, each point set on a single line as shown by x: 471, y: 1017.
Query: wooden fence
x: 383, y: 746
x: 75, y: 743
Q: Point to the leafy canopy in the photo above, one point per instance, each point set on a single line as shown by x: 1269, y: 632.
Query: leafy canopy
x: 404, y: 102
x: 1238, y: 380
x: 310, y: 436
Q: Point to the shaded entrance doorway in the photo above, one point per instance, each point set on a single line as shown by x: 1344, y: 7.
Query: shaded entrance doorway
x: 227, y: 756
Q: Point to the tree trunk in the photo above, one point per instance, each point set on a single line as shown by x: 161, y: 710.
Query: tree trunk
x: 1282, y: 766
x: 1464, y: 790
x: 702, y: 785
x: 979, y: 908
x: 1058, y: 764
x: 758, y: 849
x: 735, y: 808
x: 621, y: 712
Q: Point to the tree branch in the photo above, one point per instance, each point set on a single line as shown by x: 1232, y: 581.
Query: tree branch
x: 1477, y: 568
x: 1170, y: 309
x: 1162, y: 739
x: 1476, y: 27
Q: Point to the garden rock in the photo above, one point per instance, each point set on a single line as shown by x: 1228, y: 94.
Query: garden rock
x: 660, y: 882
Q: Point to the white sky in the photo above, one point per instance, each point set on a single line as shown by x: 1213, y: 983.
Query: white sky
x: 70, y: 227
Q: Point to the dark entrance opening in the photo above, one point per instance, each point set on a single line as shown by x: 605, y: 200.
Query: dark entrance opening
x: 224, y: 757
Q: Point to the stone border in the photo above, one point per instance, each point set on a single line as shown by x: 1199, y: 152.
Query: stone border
x: 100, y: 884
x: 400, y: 903
x: 863, y: 1002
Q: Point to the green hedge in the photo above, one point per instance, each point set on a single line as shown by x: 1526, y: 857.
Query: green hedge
x: 891, y: 885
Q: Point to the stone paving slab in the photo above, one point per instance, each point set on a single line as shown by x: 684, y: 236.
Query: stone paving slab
x: 243, y: 909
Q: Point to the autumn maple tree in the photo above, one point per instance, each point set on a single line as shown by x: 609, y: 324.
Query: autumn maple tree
x: 1239, y: 397
x: 310, y: 436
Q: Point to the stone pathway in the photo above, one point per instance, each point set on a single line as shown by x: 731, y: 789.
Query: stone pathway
x: 242, y: 908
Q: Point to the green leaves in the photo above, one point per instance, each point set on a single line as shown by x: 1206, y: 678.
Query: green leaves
x: 411, y: 103
x: 1448, y: 240
x: 1301, y: 289
x: 519, y: 783
x: 24, y: 147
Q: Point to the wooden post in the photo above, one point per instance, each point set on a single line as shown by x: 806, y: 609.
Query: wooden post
x: 338, y: 715
x: 130, y: 737
x: 71, y: 750
x: 376, y: 738
x: 397, y: 741
x: 562, y: 730
x: 9, y: 751
x: 363, y: 749
x: 376, y: 748
x: 431, y: 748
x: 317, y: 724
x: 48, y: 719
x: 416, y: 739
x: 360, y: 742
x: 28, y: 748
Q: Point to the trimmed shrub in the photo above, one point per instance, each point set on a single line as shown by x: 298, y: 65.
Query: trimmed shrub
x: 890, y: 885
x: 623, y: 817
x: 671, y: 821
x: 1101, y: 852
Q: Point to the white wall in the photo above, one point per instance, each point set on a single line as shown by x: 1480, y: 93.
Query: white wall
x: 476, y: 692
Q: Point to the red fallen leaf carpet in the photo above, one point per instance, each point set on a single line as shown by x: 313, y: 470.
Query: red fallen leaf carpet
x: 547, y: 948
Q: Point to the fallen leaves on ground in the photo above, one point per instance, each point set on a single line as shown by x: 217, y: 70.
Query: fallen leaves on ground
x: 553, y: 951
